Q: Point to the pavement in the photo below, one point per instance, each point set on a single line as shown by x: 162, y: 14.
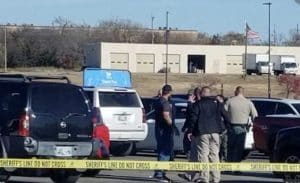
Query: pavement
x: 122, y: 176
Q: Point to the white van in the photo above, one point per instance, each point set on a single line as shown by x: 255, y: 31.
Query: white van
x: 123, y: 113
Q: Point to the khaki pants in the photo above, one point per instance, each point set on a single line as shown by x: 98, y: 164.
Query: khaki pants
x: 204, y: 149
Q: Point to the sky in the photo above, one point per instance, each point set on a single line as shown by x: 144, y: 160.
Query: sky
x: 210, y: 16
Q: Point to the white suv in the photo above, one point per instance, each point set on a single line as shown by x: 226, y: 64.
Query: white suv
x: 123, y: 113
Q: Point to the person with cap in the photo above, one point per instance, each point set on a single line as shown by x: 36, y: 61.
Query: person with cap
x: 240, y: 109
x: 164, y: 130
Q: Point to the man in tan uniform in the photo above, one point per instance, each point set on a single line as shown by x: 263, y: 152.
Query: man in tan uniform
x: 239, y: 109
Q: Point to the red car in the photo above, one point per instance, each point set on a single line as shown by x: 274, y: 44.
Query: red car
x: 265, y: 130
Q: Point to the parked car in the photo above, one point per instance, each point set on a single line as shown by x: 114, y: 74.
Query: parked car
x: 274, y: 114
x: 150, y: 142
x: 287, y: 149
x: 123, y: 113
x: 265, y: 130
x: 276, y: 106
x: 44, y: 119
x: 120, y: 105
x: 181, y: 106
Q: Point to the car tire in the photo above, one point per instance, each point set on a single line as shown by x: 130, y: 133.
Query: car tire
x: 63, y: 176
x: 122, y: 149
x: 91, y: 173
x: 134, y: 150
x: 4, y: 175
x: 289, y: 157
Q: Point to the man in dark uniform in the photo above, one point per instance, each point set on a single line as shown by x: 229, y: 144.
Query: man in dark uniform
x: 164, y: 130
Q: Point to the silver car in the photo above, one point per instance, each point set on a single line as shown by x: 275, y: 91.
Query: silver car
x: 150, y: 142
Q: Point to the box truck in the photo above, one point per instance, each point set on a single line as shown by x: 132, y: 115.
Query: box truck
x: 258, y: 64
x: 284, y: 64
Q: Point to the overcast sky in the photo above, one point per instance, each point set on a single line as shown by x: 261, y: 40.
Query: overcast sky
x: 211, y: 16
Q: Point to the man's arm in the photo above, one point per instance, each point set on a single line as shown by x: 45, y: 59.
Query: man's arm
x: 166, y: 113
x: 187, y: 117
x: 253, y: 111
x: 225, y: 115
x: 193, y: 116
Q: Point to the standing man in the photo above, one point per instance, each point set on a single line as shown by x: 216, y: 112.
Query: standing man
x: 239, y: 109
x: 223, y: 135
x: 193, y: 97
x: 164, y: 130
x: 206, y: 127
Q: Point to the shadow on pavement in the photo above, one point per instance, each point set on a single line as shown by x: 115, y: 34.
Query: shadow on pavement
x: 128, y: 178
x: 245, y: 181
x: 252, y: 174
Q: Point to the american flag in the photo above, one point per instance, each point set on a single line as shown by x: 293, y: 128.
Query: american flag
x: 251, y: 34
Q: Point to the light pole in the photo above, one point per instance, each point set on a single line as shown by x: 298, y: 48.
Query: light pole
x: 269, y: 71
x: 5, y: 50
x: 152, y: 29
x: 167, y: 46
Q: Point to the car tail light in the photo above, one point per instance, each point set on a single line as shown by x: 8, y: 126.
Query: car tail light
x: 144, y: 116
x: 24, y: 125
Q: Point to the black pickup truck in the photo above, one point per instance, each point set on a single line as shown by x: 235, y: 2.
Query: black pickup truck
x: 287, y: 149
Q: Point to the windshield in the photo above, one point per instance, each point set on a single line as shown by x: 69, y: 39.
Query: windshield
x: 263, y: 63
x: 290, y: 65
x: 119, y: 99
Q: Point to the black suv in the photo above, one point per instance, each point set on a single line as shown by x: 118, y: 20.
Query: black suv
x: 40, y: 118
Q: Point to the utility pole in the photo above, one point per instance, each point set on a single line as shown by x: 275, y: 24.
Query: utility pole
x: 5, y: 50
x: 167, y: 47
x: 269, y: 71
x: 275, y: 37
x: 297, y: 30
x: 152, y: 29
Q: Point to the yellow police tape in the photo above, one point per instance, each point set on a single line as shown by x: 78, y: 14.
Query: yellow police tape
x: 146, y: 165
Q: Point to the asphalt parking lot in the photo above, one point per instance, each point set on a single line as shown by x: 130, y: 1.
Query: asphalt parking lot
x: 117, y: 176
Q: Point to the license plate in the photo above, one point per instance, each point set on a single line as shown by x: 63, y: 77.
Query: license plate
x: 123, y: 118
x: 63, y: 151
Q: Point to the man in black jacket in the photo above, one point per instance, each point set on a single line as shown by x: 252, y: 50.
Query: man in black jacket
x: 206, y: 126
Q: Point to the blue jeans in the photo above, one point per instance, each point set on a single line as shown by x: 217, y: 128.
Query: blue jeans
x: 165, y: 144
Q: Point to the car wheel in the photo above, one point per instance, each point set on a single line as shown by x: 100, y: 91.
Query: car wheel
x: 4, y: 175
x: 134, y: 150
x: 290, y: 157
x: 91, y: 173
x: 123, y: 149
x: 63, y: 176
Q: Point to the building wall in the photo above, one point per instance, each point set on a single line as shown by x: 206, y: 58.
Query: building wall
x: 217, y: 57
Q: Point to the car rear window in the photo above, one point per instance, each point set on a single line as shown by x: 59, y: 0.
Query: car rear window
x: 12, y: 101
x: 119, y: 99
x: 297, y: 107
x: 58, y: 99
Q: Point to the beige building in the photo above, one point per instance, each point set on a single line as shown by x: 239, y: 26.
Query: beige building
x: 181, y: 58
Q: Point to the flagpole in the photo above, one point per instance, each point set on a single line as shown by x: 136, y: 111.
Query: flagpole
x: 246, y: 51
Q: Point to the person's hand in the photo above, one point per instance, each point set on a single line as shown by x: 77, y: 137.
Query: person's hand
x: 191, y: 98
x: 189, y: 136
